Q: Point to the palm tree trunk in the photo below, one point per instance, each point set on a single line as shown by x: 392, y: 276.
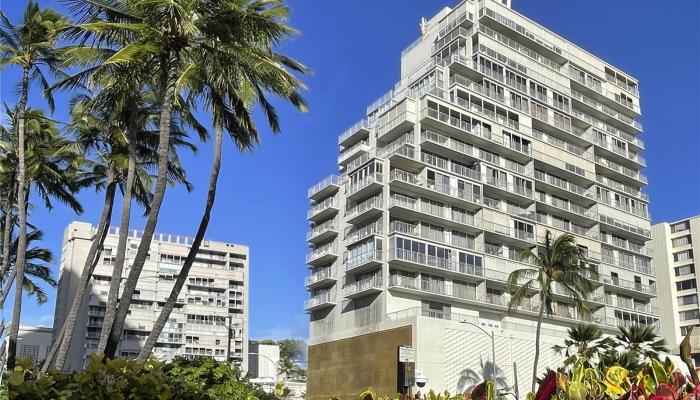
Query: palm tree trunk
x: 537, y: 343
x: 6, y: 237
x: 156, y: 201
x: 184, y: 272
x: 20, y: 260
x: 52, y: 351
x: 112, y: 297
x: 86, y: 274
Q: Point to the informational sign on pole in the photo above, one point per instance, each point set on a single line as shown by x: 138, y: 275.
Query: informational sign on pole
x: 407, y: 354
x: 406, y: 373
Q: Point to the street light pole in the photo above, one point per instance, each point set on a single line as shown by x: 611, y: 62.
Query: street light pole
x: 491, y: 335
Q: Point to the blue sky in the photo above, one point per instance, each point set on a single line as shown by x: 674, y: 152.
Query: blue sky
x: 353, y: 48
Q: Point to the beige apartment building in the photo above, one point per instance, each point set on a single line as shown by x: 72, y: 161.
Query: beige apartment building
x: 497, y: 131
x: 210, y: 318
x: 675, y: 244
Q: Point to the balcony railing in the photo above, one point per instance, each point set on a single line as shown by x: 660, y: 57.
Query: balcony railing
x: 372, y: 202
x: 620, y: 186
x: 360, y: 125
x: 328, y: 181
x: 330, y: 248
x: 623, y: 283
x: 436, y: 262
x: 509, y: 231
x: 352, y: 188
x: 629, y: 228
x: 367, y: 283
x: 319, y: 299
x: 363, y: 258
x: 331, y: 225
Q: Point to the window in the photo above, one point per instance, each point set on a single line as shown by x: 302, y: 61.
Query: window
x: 681, y: 241
x: 689, y: 299
x: 683, y: 255
x: 680, y: 226
x: 690, y: 314
x: 685, y: 270
x: 685, y: 285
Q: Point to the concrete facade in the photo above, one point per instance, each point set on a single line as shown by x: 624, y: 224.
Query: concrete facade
x: 33, y: 342
x: 210, y: 318
x: 675, y: 244
x: 263, y: 360
x: 498, y: 131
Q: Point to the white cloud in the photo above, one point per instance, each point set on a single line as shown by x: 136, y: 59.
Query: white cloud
x: 38, y: 320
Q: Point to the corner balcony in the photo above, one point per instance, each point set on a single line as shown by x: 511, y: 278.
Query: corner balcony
x: 574, y: 212
x: 361, y: 188
x: 320, y: 278
x: 355, y: 133
x: 353, y: 152
x: 402, y: 153
x: 508, y: 190
x: 319, y: 302
x: 325, y: 188
x: 625, y: 245
x: 620, y: 155
x: 564, y: 188
x: 364, y: 211
x: 602, y: 111
x: 631, y: 288
x: 322, y: 255
x: 323, y: 232
x: 466, y: 198
x: 364, y: 287
x: 363, y: 262
x: 397, y: 120
x: 323, y: 210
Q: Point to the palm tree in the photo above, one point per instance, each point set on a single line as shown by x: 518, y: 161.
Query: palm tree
x: 641, y: 341
x: 100, y: 132
x: 229, y: 79
x: 36, y: 260
x: 560, y: 261
x: 31, y: 46
x: 586, y: 342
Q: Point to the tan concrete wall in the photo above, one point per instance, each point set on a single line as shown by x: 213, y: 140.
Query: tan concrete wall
x: 344, y: 368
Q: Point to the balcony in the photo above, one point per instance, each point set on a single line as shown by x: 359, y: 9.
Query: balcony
x: 397, y: 120
x: 603, y: 180
x: 320, y: 301
x: 518, y: 237
x: 563, y: 187
x: 431, y: 289
x: 404, y: 228
x: 508, y: 190
x: 620, y: 205
x: 363, y: 262
x: 449, y: 166
x: 402, y: 152
x: 322, y: 255
x: 325, y: 188
x: 323, y: 210
x: 323, y: 232
x: 446, y: 193
x: 411, y: 208
x: 572, y: 211
x: 633, y: 306
x: 624, y: 244
x: 620, y: 154
x: 361, y: 188
x: 622, y: 121
x: 416, y: 261
x: 625, y: 229
x: 595, y: 299
x: 356, y: 234
x: 632, y: 266
x: 364, y: 211
x: 363, y: 287
x: 350, y: 153
x: 355, y: 133
x: 629, y: 287
x: 321, y: 277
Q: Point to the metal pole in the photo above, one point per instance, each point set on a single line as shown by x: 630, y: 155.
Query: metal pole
x: 493, y: 356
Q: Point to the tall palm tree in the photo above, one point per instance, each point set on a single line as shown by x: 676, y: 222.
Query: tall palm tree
x: 586, y: 342
x: 559, y: 261
x: 36, y: 260
x: 30, y: 46
x: 230, y: 78
x: 641, y: 341
x: 101, y: 133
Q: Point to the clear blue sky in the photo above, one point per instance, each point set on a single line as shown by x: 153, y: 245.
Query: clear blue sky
x: 353, y: 48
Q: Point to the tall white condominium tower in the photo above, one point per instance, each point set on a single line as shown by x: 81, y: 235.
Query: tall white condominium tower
x: 210, y: 318
x: 498, y: 131
x: 674, y: 245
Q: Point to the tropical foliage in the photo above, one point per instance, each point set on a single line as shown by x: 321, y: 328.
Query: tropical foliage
x: 203, y: 379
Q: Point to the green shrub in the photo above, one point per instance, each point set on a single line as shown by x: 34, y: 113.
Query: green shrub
x: 203, y: 379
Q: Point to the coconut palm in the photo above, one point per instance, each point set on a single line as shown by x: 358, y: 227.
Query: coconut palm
x: 559, y: 261
x: 100, y: 131
x: 30, y: 45
x: 585, y: 342
x: 36, y: 260
x: 230, y: 79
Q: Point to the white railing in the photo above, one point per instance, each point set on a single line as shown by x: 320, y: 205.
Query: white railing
x: 328, y: 181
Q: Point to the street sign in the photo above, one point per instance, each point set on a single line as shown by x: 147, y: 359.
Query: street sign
x: 407, y: 354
